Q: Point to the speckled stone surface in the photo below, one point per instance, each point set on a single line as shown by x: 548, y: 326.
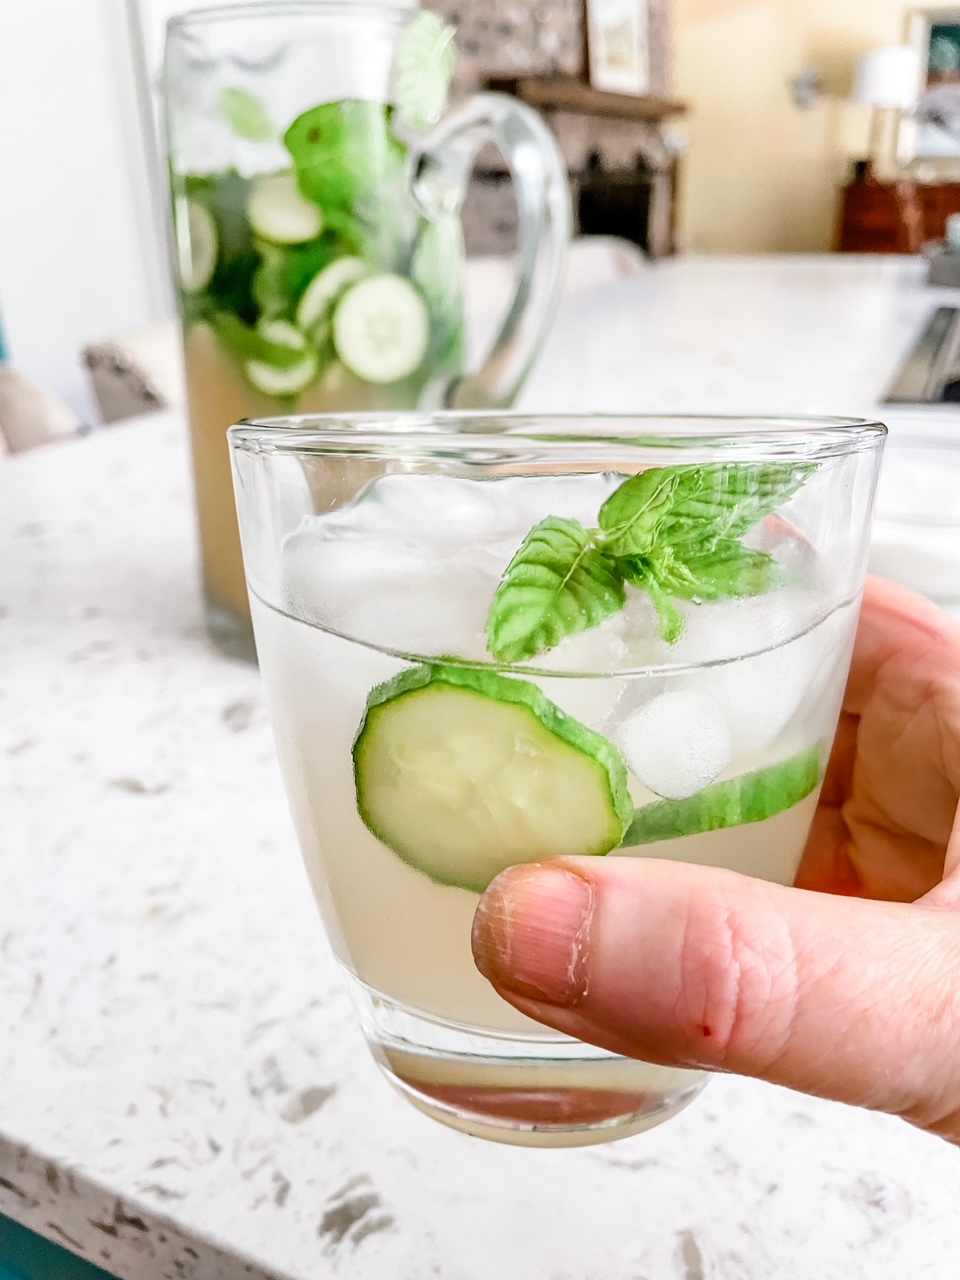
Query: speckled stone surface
x: 183, y: 1092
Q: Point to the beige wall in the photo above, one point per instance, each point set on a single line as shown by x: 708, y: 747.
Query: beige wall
x: 760, y: 175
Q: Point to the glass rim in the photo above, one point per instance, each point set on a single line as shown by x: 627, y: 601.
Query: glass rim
x: 204, y: 14
x: 502, y: 435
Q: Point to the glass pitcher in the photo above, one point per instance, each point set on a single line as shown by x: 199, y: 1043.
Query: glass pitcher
x: 316, y: 184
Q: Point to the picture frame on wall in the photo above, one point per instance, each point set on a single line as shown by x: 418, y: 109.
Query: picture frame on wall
x: 617, y: 36
x: 929, y: 137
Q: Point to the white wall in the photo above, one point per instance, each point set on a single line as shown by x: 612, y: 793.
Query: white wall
x: 79, y: 228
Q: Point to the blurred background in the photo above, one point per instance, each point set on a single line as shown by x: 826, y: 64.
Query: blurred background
x: 743, y: 139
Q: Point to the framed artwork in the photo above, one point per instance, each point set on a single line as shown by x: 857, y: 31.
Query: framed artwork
x: 931, y: 135
x: 618, y: 45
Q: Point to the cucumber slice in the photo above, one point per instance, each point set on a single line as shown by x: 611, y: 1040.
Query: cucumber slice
x: 324, y: 289
x: 274, y: 381
x: 199, y: 249
x: 283, y: 334
x: 279, y: 213
x: 381, y: 329
x: 753, y: 797
x: 464, y: 772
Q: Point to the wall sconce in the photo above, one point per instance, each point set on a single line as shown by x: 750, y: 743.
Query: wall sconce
x: 806, y: 88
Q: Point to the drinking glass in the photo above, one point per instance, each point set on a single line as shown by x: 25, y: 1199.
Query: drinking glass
x: 525, y: 637
x: 318, y: 242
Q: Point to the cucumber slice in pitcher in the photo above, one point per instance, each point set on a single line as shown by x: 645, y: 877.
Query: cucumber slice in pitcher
x: 465, y: 772
x: 290, y: 378
x: 381, y: 329
x: 278, y: 212
x: 197, y: 257
x: 325, y: 287
x: 273, y: 381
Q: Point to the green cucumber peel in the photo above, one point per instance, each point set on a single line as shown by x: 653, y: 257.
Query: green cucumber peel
x: 673, y: 532
x: 737, y: 802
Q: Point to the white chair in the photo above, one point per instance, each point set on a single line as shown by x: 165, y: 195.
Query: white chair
x: 30, y: 415
x: 137, y: 372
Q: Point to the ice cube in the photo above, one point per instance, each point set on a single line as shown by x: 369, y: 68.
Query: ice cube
x: 436, y: 509
x: 572, y: 497
x: 320, y: 574
x: 725, y: 629
x: 600, y: 649
x: 676, y: 744
x: 760, y: 695
x: 441, y: 610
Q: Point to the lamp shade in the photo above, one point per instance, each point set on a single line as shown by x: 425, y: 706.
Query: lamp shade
x: 889, y: 77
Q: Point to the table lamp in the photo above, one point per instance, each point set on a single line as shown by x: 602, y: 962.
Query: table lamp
x: 887, y: 79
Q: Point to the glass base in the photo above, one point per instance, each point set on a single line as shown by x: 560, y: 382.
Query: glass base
x: 232, y: 634
x: 527, y: 1091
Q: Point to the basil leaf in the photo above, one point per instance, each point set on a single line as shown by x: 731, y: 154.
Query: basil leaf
x: 726, y: 500
x: 344, y: 152
x: 284, y: 273
x: 726, y: 571
x: 248, y: 344
x: 632, y: 515
x: 557, y: 585
x: 672, y: 532
x: 640, y: 572
x: 246, y: 115
x: 423, y: 67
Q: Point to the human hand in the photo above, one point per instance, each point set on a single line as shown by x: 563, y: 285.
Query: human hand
x: 846, y: 986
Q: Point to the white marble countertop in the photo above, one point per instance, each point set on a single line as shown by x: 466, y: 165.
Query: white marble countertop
x: 183, y: 1091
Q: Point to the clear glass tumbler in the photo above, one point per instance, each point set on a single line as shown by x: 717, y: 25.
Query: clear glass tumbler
x: 316, y: 183
x: 512, y: 638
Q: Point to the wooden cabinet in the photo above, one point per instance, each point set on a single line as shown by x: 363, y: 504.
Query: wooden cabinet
x: 894, y: 217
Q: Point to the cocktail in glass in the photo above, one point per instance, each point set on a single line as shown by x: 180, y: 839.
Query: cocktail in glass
x: 519, y: 638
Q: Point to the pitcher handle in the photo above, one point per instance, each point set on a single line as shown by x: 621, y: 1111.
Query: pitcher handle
x: 441, y: 165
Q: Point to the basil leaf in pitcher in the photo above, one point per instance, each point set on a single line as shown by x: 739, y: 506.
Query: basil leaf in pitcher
x: 344, y: 152
x: 284, y: 273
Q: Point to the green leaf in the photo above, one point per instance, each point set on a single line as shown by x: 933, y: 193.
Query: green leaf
x: 753, y: 797
x: 639, y: 572
x: 248, y: 344
x: 224, y: 195
x: 727, y: 500
x: 556, y: 586
x: 344, y: 152
x: 246, y: 115
x: 632, y: 515
x: 672, y: 532
x: 422, y: 70
x: 284, y: 273
x: 726, y: 571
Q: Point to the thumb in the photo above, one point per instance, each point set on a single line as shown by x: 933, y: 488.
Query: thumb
x: 691, y: 966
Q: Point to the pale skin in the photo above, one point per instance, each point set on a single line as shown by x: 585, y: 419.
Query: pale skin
x: 846, y: 986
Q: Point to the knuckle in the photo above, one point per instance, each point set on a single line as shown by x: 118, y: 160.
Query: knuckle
x: 739, y: 982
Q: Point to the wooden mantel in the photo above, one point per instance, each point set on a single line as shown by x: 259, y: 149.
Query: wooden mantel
x: 554, y: 93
